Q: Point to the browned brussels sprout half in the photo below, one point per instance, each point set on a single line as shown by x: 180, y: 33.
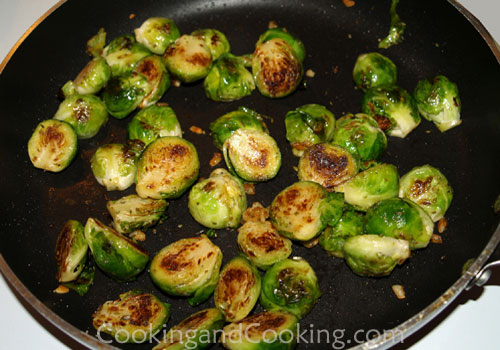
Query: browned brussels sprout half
x: 188, y: 267
x: 333, y: 237
x: 156, y: 33
x: 125, y: 93
x: 282, y: 33
x: 71, y: 251
x: 276, y: 68
x: 133, y: 318
x: 374, y: 70
x: 122, y: 54
x: 215, y: 40
x: 154, y: 71
x: 93, y: 77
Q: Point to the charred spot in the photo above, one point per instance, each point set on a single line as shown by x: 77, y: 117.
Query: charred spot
x: 199, y: 59
x: 267, y: 240
x: 166, y: 28
x: 383, y: 122
x: 455, y: 102
x: 148, y: 69
x: 291, y: 195
x: 52, y: 135
x: 144, y: 312
x: 214, y: 40
x: 210, y: 185
x: 174, y: 261
x: 264, y: 321
x: 194, y: 321
x: 420, y: 187
x: 330, y: 166
x: 63, y: 246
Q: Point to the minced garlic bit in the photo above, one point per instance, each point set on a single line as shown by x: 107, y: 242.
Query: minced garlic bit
x: 61, y: 289
x: 162, y: 104
x: 399, y: 291
x: 176, y: 83
x: 197, y: 130
x: 131, y: 16
x: 442, y: 224
x: 436, y: 239
x: 311, y: 243
x: 272, y: 24
x: 138, y: 235
x: 216, y: 159
x: 295, y: 168
x: 348, y: 3
x: 249, y: 188
x: 310, y: 73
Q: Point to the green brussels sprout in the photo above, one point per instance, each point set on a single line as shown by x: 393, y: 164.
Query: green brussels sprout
x: 373, y: 255
x: 154, y: 71
x: 360, y: 134
x: 438, y: 101
x: 198, y: 331
x: 116, y: 255
x: 429, y: 188
x: 396, y: 31
x: 153, y: 122
x: 238, y: 289
x: 329, y: 165
x: 93, y: 77
x: 188, y: 58
x: 276, y: 68
x: 71, y: 251
x: 374, y: 70
x: 394, y: 109
x: 252, y: 155
x: 156, y: 33
x: 122, y: 54
x: 124, y: 94
x: 243, y: 118
x: 262, y: 244
x: 281, y: 33
x: 133, y: 318
x: 302, y: 210
x: 188, y: 267
x: 215, y: 40
x: 84, y: 280
x: 115, y: 165
x: 132, y: 212
x: 400, y: 218
x: 333, y: 237
x: 219, y: 201
x: 228, y: 79
x: 290, y: 285
x: 85, y: 113
x: 95, y: 45
x: 270, y: 330
x: 371, y: 186
x: 308, y: 125
x: 53, y: 145
x: 167, y: 168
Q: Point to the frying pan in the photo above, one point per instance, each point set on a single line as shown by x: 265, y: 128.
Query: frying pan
x: 40, y: 203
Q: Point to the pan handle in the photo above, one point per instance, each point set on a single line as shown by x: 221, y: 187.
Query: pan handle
x: 483, y: 275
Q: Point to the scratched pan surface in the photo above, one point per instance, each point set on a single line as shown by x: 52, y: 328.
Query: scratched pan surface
x: 438, y: 40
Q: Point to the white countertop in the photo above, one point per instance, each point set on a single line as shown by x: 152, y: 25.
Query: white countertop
x: 469, y: 323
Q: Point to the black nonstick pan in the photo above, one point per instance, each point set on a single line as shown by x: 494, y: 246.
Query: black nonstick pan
x: 438, y: 40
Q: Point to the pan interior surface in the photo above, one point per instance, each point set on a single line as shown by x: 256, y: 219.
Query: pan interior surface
x: 438, y: 40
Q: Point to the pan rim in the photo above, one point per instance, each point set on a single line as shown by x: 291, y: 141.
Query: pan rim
x: 384, y: 341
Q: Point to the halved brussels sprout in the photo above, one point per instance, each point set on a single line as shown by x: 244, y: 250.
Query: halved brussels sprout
x: 116, y: 255
x: 71, y: 251
x: 400, y: 218
x: 167, y: 168
x: 188, y: 58
x: 429, y: 188
x: 215, y: 40
x: 198, y: 331
x: 85, y: 113
x: 122, y: 54
x: 154, y: 71
x: 93, y: 77
x: 373, y: 255
x: 153, y: 122
x: 262, y: 244
x: 438, y: 101
x: 302, y: 210
x: 115, y: 165
x: 333, y: 238
x: 124, y: 94
x: 95, y: 45
x: 371, y: 186
x: 133, y: 318
x: 188, y: 267
x: 252, y: 155
x: 360, y: 134
x: 329, y: 165
x: 308, y: 125
x: 394, y: 109
x: 83, y: 282
x: 281, y: 33
x: 396, y: 30
x: 219, y: 201
x: 243, y: 118
x: 374, y: 70
x: 263, y: 331
x: 228, y: 79
x: 53, y: 145
x: 290, y: 285
x: 156, y: 33
x: 238, y: 289
x: 132, y: 212
x: 276, y: 68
